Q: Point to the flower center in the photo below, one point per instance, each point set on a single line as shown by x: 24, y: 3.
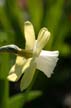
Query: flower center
x: 26, y: 53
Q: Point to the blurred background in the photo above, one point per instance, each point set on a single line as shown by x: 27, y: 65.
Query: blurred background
x: 56, y: 16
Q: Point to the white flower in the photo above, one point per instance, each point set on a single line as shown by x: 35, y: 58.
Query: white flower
x: 33, y: 57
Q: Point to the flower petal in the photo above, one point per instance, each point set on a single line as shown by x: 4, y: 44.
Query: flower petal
x: 27, y: 64
x: 29, y: 35
x: 12, y: 76
x: 43, y: 38
x: 28, y: 76
x: 46, y: 62
x: 16, y: 71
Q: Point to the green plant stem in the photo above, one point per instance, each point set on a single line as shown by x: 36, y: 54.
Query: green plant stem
x: 4, y: 87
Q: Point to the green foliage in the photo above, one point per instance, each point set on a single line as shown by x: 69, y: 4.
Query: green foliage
x: 19, y: 100
x: 35, y: 8
x: 47, y: 13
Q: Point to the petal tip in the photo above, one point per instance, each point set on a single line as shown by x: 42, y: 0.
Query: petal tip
x: 27, y: 22
x: 46, y: 30
x: 12, y: 77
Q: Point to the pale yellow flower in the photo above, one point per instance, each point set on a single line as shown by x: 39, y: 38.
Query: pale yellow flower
x: 32, y: 57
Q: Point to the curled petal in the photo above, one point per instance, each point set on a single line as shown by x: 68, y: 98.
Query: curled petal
x: 43, y: 38
x: 46, y: 62
x: 10, y: 49
x: 29, y: 35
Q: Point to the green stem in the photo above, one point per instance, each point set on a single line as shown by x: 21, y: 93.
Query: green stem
x: 4, y: 88
x: 3, y: 93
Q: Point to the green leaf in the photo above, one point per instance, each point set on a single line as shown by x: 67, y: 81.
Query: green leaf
x: 4, y: 92
x: 4, y: 87
x: 4, y: 21
x: 4, y: 65
x: 60, y: 44
x: 32, y: 95
x: 36, y: 12
x: 3, y: 38
x: 16, y: 101
x: 53, y: 16
x: 19, y: 100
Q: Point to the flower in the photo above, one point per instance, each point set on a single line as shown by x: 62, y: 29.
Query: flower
x: 32, y: 57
